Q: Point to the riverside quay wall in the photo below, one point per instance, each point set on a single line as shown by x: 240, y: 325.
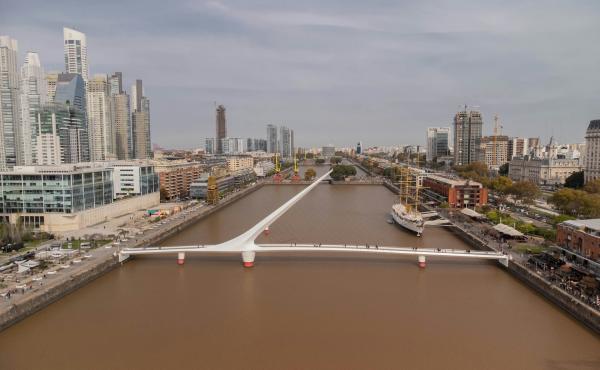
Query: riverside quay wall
x: 55, y: 290
x: 583, y: 313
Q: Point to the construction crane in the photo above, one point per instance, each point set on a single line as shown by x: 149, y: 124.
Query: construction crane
x: 296, y: 177
x: 277, y: 177
x: 497, y: 132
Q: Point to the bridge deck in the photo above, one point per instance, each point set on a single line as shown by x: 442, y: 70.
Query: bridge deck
x: 213, y: 249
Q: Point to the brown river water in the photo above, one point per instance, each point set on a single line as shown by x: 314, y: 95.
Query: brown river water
x: 303, y: 311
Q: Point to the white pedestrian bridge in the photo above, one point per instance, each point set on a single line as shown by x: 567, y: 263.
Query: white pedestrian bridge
x: 245, y: 245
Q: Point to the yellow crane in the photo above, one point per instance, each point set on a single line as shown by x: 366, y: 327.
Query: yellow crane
x: 295, y: 178
x: 295, y: 164
x: 277, y: 164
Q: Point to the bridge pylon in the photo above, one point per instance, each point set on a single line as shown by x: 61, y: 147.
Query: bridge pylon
x: 248, y: 258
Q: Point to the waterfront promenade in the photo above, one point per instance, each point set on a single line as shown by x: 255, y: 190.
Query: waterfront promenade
x: 544, y: 282
x: 32, y: 292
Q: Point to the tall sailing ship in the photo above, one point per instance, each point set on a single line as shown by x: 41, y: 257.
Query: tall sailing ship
x: 406, y: 212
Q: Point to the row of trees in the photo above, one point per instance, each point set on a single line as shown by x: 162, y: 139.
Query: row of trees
x: 525, y: 191
x: 10, y: 233
x: 476, y: 171
x: 583, y: 202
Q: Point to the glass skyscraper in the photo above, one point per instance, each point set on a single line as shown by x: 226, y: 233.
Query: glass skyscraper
x: 10, y: 135
x: 60, y: 135
x: 33, y: 95
x: 75, y: 52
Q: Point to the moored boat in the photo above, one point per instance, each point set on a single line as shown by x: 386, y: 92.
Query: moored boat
x: 408, y: 218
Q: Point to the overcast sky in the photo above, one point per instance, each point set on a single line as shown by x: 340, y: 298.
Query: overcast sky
x: 335, y: 71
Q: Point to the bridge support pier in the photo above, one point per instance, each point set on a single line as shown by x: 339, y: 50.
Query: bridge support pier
x: 422, y: 261
x: 248, y: 258
x: 180, y: 258
x: 123, y: 257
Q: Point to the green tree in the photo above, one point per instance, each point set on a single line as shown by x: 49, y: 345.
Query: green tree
x: 309, y: 174
x: 341, y: 171
x: 576, y: 202
x: 476, y: 171
x: 335, y: 160
x: 501, y: 184
x: 525, y: 191
x: 4, y: 233
x: 561, y: 218
x: 575, y: 180
x: 310, y: 155
x: 592, y: 186
x: 503, y: 170
x: 320, y: 160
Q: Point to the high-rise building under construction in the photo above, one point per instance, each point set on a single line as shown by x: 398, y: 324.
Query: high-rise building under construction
x: 467, y: 136
x: 221, y: 128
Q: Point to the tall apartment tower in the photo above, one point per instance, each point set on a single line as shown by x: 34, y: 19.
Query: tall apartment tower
x: 33, y: 97
x: 272, y: 146
x: 438, y: 139
x: 221, y: 126
x: 122, y: 126
x: 140, y: 119
x: 494, y: 150
x: 286, y: 146
x: 10, y: 133
x: 51, y: 79
x: 116, y: 83
x: 517, y: 147
x: 100, y: 119
x: 60, y: 135
x: 468, y: 126
x: 75, y: 53
x: 592, y: 152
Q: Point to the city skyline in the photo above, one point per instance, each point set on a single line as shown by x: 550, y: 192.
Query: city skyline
x: 89, y: 113
x: 341, y: 73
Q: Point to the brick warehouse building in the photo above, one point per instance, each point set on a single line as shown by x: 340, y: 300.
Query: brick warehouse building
x: 457, y: 193
x: 580, y: 236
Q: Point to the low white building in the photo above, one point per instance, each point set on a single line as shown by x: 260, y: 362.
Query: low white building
x: 69, y: 197
x: 263, y: 168
x: 543, y: 171
x: 133, y: 178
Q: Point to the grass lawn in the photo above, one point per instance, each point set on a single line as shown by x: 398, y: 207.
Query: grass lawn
x: 34, y: 243
x: 529, y: 249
